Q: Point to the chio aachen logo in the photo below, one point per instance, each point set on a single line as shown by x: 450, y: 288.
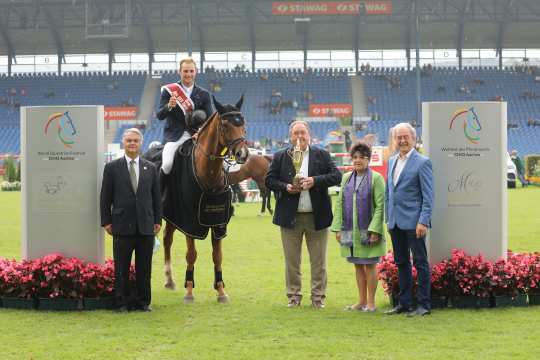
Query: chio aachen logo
x: 65, y: 128
x: 471, y: 123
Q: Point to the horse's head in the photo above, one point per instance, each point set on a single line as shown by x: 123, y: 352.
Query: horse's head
x: 233, y: 129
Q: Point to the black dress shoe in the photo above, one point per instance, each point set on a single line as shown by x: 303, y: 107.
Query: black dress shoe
x: 398, y: 310
x: 420, y: 311
x: 121, y: 309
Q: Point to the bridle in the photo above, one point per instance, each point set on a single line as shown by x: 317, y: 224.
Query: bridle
x: 236, y: 119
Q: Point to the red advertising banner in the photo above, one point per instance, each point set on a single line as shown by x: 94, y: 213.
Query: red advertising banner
x: 322, y: 110
x: 380, y: 7
x: 120, y: 113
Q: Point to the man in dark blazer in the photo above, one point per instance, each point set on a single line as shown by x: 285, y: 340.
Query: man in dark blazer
x: 408, y: 206
x: 131, y: 213
x: 303, y: 210
x: 177, y: 127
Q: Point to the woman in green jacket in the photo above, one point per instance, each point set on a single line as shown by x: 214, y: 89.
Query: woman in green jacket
x: 358, y: 224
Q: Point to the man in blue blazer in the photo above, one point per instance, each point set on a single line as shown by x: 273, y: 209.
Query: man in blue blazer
x: 409, y: 203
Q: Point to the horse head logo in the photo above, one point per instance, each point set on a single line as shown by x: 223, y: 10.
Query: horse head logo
x: 471, y: 123
x: 65, y: 128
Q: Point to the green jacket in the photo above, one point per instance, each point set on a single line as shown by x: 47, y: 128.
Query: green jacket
x: 376, y: 224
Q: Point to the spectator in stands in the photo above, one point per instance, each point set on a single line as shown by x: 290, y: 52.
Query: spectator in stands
x: 303, y: 209
x: 441, y: 88
x: 276, y: 102
x: 358, y: 224
x: 372, y: 100
x: 533, y: 122
x: 23, y: 92
x: 478, y: 82
x: 427, y: 70
x: 464, y: 89
x: 519, y: 167
x: 308, y: 96
x: 13, y: 91
x: 264, y: 76
x: 348, y: 141
x: 512, y: 125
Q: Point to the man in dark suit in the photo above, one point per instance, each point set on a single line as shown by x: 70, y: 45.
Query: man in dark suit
x: 408, y: 206
x: 177, y: 103
x: 303, y: 209
x: 131, y: 213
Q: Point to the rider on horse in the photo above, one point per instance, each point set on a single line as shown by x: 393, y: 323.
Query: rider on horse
x: 180, y: 105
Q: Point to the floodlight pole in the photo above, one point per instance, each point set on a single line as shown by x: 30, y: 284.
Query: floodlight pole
x: 189, y: 32
x: 418, y: 81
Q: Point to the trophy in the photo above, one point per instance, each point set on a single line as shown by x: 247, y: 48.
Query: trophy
x: 297, y: 157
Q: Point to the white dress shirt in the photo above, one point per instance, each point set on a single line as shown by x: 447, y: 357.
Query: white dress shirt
x: 304, y: 205
x: 136, y: 165
x: 401, y: 162
x: 188, y: 90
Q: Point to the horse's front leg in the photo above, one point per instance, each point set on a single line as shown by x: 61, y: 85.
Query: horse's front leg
x: 191, y: 257
x: 167, y: 244
x: 217, y: 257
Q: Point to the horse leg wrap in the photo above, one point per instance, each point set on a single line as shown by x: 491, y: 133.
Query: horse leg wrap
x: 218, y: 277
x: 189, y: 277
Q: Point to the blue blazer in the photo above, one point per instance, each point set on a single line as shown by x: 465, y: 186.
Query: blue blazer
x: 410, y: 201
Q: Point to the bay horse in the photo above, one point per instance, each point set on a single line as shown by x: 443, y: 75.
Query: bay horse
x: 223, y: 134
x: 255, y: 167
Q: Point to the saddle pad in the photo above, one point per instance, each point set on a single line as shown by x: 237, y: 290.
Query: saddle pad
x: 215, y: 209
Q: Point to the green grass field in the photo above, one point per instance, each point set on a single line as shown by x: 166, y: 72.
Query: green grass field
x: 257, y: 324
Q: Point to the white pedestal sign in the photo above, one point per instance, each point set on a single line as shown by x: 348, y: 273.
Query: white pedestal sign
x: 62, y: 167
x: 466, y: 142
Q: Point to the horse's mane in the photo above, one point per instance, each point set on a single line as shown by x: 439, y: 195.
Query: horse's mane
x: 208, y: 121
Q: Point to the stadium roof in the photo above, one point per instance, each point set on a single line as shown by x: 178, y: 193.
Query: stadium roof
x: 165, y: 26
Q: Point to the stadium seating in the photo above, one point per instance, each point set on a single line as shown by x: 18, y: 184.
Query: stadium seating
x: 68, y: 89
x: 392, y: 103
x: 395, y: 104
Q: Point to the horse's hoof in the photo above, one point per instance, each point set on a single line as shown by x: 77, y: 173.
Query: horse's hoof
x: 189, y: 299
x: 170, y: 286
x: 223, y: 299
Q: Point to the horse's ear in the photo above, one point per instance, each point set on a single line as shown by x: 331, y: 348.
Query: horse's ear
x: 239, y: 103
x: 219, y: 107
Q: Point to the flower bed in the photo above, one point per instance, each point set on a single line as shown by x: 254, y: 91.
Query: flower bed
x: 57, y: 277
x: 472, y: 281
x: 10, y: 186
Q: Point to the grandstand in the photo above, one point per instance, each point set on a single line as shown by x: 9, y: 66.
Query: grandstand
x: 389, y: 104
x: 484, y: 51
